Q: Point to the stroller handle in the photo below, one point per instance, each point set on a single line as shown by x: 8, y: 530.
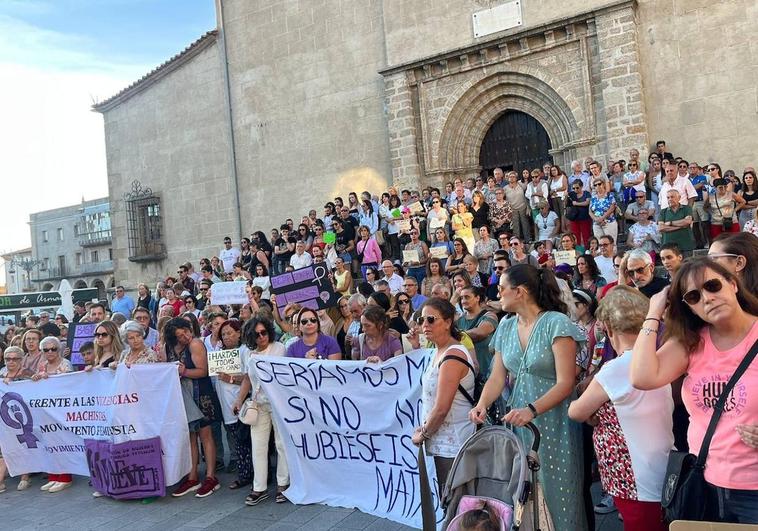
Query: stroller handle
x: 536, y: 434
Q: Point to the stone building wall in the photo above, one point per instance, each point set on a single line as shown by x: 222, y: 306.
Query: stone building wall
x: 172, y: 137
x: 308, y: 104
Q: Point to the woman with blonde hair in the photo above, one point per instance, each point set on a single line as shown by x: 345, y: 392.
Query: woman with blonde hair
x: 108, y: 344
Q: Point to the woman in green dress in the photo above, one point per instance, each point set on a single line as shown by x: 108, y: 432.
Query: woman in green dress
x: 536, y: 350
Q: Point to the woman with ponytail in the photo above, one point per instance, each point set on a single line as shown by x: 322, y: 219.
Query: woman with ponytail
x: 536, y: 351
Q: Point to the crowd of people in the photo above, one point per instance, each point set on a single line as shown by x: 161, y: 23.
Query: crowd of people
x: 575, y: 297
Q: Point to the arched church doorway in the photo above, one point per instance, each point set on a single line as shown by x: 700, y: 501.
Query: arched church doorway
x: 515, y: 141
x: 100, y: 285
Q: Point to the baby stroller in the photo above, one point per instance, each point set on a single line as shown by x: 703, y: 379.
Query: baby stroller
x: 493, y: 466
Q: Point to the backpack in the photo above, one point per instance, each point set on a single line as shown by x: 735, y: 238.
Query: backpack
x: 496, y: 410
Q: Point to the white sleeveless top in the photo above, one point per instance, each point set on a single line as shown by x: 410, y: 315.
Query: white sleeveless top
x: 456, y: 427
x: 555, y: 184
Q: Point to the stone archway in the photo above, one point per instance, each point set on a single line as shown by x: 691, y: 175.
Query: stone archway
x: 80, y: 284
x: 100, y: 285
x: 47, y: 286
x: 477, y: 109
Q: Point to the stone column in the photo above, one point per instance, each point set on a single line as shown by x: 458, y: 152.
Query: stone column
x: 621, y: 81
x: 401, y: 125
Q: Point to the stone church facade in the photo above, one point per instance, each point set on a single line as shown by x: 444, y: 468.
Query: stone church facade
x: 288, y: 104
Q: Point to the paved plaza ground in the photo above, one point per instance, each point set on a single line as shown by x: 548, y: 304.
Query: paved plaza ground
x: 75, y: 508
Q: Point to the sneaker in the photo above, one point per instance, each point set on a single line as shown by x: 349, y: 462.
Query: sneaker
x: 24, y: 484
x: 47, y: 486
x: 97, y: 494
x: 209, y: 486
x: 59, y: 486
x: 254, y: 498
x: 606, y: 505
x: 187, y: 486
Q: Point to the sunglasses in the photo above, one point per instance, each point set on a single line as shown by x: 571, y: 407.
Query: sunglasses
x: 403, y: 301
x: 51, y: 349
x: 597, y: 184
x: 499, y: 268
x: 261, y: 333
x: 307, y: 320
x: 692, y: 297
x: 514, y: 244
x: 637, y: 271
x: 430, y: 319
x: 203, y: 289
x: 101, y: 334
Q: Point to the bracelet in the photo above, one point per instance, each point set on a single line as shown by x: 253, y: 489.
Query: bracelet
x: 652, y: 319
x: 532, y: 409
x: 648, y: 331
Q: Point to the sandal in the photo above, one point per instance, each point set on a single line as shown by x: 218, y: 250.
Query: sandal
x: 237, y: 484
x: 254, y: 498
x: 281, y: 498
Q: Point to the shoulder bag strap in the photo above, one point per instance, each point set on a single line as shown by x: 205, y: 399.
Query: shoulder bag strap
x: 719, y: 407
x: 460, y: 387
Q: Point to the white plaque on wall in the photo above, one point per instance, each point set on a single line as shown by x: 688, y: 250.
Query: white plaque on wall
x: 498, y: 18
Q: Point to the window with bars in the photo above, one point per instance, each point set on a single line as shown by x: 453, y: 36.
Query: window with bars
x: 144, y: 224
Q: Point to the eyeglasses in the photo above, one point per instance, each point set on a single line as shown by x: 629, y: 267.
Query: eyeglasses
x: 575, y: 188
x: 714, y: 256
x: 641, y: 196
x: 597, y: 184
x: 616, y: 266
x: 403, y: 301
x: 307, y: 320
x: 430, y: 319
x: 499, y: 268
x: 189, y: 301
x: 14, y: 358
x: 692, y: 297
x: 101, y: 334
x: 203, y: 289
x: 435, y: 202
x: 712, y: 169
x: 51, y: 349
x: 261, y: 333
x: 514, y: 244
x: 638, y: 271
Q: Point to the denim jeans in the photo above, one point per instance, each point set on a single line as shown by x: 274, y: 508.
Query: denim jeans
x: 737, y: 506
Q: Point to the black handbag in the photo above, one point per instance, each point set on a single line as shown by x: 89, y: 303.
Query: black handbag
x: 685, y: 490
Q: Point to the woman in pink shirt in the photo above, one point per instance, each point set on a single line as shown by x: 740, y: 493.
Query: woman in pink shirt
x: 369, y: 253
x: 711, y: 324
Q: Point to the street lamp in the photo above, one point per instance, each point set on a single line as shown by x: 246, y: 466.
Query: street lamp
x: 27, y: 264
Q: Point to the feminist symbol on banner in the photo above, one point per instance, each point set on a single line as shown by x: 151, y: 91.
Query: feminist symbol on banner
x: 309, y: 287
x: 21, y: 419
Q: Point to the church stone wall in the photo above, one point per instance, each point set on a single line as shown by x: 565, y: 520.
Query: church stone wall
x: 308, y: 104
x: 173, y: 139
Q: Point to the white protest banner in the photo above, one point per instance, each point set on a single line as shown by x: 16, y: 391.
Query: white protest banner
x: 227, y: 361
x: 229, y: 292
x: 347, y: 427
x: 416, y: 208
x: 43, y: 425
x: 404, y: 225
x: 410, y: 256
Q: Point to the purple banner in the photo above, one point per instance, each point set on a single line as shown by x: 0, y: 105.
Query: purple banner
x: 78, y: 334
x: 127, y: 471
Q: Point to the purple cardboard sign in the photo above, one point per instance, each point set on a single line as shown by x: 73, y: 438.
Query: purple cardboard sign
x: 78, y: 334
x: 311, y: 285
x: 127, y: 471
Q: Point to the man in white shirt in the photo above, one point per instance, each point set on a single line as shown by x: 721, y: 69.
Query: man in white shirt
x: 394, y: 280
x: 605, y: 260
x: 679, y: 183
x: 300, y: 259
x: 229, y: 255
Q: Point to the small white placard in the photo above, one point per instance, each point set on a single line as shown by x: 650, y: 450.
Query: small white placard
x: 498, y: 18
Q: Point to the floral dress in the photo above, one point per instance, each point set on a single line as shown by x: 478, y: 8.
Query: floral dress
x: 561, y: 449
x: 600, y: 205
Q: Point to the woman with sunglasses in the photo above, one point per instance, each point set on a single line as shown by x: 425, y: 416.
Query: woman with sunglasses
x: 445, y: 425
x: 711, y: 323
x: 245, y: 254
x: 578, y: 212
x: 404, y: 307
x: 108, y: 344
x: 738, y: 253
x: 52, y: 364
x: 538, y: 350
x: 603, y: 210
x: 13, y: 371
x: 376, y: 343
x: 304, y: 235
x: 342, y: 325
x: 313, y: 344
x: 435, y: 274
x: 437, y: 219
x: 633, y: 182
x: 722, y: 205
